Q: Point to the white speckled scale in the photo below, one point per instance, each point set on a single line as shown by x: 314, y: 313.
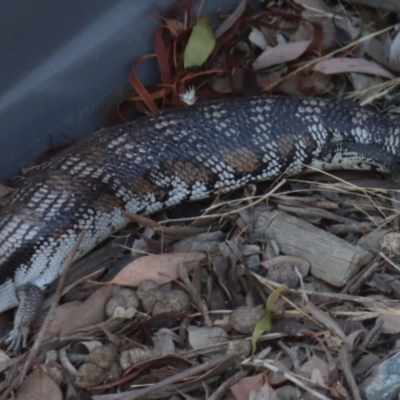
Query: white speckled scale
x: 176, y: 156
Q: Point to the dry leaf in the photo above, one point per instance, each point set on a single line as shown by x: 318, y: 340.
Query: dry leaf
x: 391, y: 321
x: 305, y: 31
x: 231, y: 20
x: 203, y: 337
x: 38, y: 386
x: 90, y: 312
x: 266, y: 392
x: 161, y: 268
x: 394, y: 57
x: 317, y: 12
x: 64, y: 313
x: 317, y: 370
x: 346, y: 65
x: 280, y: 54
x: 325, y: 319
x: 257, y: 38
x: 242, y: 389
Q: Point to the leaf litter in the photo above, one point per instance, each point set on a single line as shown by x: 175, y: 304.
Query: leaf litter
x: 200, y: 302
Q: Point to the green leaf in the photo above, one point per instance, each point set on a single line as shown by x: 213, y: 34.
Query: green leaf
x: 264, y: 324
x: 200, y: 44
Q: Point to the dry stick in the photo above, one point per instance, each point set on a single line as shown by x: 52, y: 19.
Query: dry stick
x: 396, y: 267
x: 371, y: 336
x: 344, y: 363
x: 222, y: 215
x: 337, y: 296
x: 354, y: 284
x: 33, y: 352
x: 139, y: 393
x: 227, y: 385
x: 183, y: 274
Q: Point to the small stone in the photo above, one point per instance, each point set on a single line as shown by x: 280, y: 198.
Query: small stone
x: 288, y: 392
x: 384, y: 381
x: 89, y: 375
x: 115, y: 372
x: 253, y: 261
x: 103, y: 356
x: 391, y: 243
x: 125, y: 298
x: 175, y: 300
x: 240, y: 348
x: 146, y: 285
x: 243, y: 319
x: 149, y: 293
x: 134, y: 356
x: 284, y: 273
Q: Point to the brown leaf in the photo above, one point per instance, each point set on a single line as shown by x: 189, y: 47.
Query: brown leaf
x: 62, y: 315
x: 138, y: 86
x: 394, y: 57
x: 38, y: 386
x: 346, y: 65
x: 280, y: 54
x: 242, y: 389
x: 317, y: 370
x: 162, y: 55
x: 90, y: 312
x: 325, y: 319
x: 266, y: 392
x: 161, y: 268
x: 231, y: 20
x: 391, y: 321
x: 203, y: 337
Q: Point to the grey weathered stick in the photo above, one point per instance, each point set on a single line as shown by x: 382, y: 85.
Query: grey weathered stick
x: 332, y: 259
x: 140, y: 393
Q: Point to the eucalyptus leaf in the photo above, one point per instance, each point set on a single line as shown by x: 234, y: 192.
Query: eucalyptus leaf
x: 264, y: 324
x: 200, y: 44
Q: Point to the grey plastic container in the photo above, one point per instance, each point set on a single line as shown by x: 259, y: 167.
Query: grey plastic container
x: 65, y: 66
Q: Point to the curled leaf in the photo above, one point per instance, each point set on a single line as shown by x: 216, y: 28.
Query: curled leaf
x: 264, y: 324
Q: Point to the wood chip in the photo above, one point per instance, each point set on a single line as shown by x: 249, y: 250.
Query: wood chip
x: 332, y: 259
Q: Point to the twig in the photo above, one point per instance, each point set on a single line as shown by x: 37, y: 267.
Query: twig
x: 292, y: 352
x: 344, y: 363
x: 355, y: 283
x: 222, y: 215
x: 336, y: 296
x: 140, y: 393
x: 183, y: 274
x: 226, y: 385
x: 396, y: 267
x: 33, y: 352
x: 371, y: 336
